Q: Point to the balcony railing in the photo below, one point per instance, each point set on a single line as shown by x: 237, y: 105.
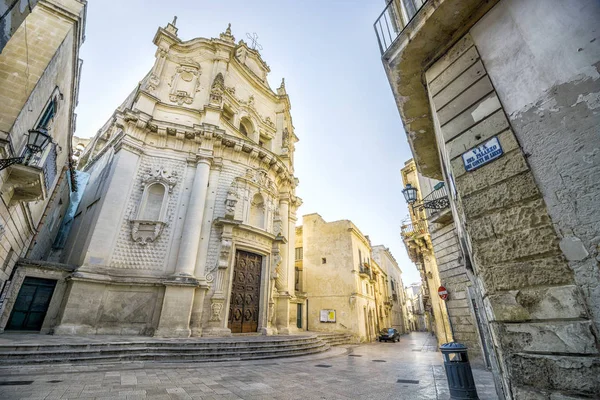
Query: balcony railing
x: 435, y: 201
x: 394, y: 18
x: 363, y: 269
x: 416, y: 229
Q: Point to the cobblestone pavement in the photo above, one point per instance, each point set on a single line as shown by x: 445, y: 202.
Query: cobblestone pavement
x: 410, y: 369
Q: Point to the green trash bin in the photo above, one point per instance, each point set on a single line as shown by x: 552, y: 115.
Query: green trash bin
x: 458, y: 371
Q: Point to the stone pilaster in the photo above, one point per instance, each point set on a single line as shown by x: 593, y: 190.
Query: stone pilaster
x: 281, y: 281
x: 217, y: 324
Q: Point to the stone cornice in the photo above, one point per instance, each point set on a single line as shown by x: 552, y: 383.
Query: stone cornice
x: 211, y: 132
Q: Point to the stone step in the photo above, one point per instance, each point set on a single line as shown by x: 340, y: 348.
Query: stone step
x: 135, y: 348
x: 132, y: 356
x: 211, y: 351
x: 158, y: 344
x: 334, y: 339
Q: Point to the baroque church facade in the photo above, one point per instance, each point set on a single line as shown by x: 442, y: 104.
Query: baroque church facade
x: 186, y: 225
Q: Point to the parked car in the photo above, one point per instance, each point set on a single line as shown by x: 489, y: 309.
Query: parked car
x: 389, y: 334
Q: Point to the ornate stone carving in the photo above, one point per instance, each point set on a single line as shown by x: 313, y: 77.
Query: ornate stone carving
x: 160, y: 175
x: 154, y: 79
x: 216, y: 308
x: 217, y: 89
x: 227, y: 36
x: 144, y: 232
x: 231, y: 202
x: 276, y: 260
x: 285, y: 141
x: 185, y: 82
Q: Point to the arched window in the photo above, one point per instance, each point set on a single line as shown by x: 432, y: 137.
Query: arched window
x: 246, y: 127
x: 152, y: 204
x: 257, y: 211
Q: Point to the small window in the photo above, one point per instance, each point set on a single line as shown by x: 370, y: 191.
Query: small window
x: 299, y: 253
x: 246, y: 127
x: 47, y: 115
x: 323, y: 260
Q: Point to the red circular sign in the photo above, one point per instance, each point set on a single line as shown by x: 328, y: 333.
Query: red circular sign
x: 443, y: 293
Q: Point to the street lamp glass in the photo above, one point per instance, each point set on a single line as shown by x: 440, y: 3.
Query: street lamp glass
x: 38, y: 140
x: 410, y: 194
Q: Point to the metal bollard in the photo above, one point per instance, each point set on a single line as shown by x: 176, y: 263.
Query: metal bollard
x: 458, y: 371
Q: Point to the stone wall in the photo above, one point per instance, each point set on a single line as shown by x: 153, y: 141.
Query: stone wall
x: 529, y: 291
x: 53, y: 74
x: 453, y: 276
x: 551, y: 93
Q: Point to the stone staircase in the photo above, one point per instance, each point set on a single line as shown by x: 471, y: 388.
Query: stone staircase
x: 336, y: 339
x: 114, y: 349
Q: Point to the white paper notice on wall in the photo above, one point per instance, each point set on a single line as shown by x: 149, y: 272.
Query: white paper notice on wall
x: 482, y: 154
x: 327, y: 316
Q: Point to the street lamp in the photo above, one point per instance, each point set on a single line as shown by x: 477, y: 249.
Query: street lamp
x: 37, y: 141
x: 410, y: 194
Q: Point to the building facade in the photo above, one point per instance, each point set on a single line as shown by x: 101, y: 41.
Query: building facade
x: 418, y: 319
x: 39, y: 82
x: 346, y: 289
x: 433, y: 244
x: 499, y: 100
x: 417, y: 239
x: 396, y: 300
x: 186, y: 224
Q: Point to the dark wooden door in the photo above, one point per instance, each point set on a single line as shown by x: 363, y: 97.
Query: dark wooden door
x: 31, y: 305
x: 245, y: 293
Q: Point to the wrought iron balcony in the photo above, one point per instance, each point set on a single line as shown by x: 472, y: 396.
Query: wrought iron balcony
x: 435, y: 201
x: 412, y: 230
x: 32, y: 180
x: 394, y: 18
x: 364, y: 270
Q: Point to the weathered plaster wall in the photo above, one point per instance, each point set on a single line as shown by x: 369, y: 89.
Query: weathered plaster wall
x: 398, y: 312
x: 335, y: 284
x: 530, y: 294
x: 550, y: 89
x: 19, y: 222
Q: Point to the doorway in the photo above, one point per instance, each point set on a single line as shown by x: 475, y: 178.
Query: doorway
x: 245, y: 293
x: 31, y: 305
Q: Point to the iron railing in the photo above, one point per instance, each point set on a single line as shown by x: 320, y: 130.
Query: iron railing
x: 365, y: 270
x: 409, y: 230
x: 50, y: 167
x: 435, y: 201
x: 394, y: 18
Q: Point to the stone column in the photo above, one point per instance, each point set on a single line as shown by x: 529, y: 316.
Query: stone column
x: 180, y: 289
x: 282, y: 282
x: 200, y: 272
x: 190, y: 241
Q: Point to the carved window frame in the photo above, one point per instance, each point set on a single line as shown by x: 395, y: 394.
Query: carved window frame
x: 144, y: 231
x: 144, y: 202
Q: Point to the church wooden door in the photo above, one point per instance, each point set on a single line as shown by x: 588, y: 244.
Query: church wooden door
x: 245, y: 293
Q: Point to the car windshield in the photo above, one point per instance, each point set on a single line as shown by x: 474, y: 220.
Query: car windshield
x: 387, y: 330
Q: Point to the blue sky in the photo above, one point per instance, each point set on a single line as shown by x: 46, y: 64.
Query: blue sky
x: 352, y: 144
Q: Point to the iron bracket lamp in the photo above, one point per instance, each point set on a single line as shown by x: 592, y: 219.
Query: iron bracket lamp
x: 37, y: 141
x: 410, y: 195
